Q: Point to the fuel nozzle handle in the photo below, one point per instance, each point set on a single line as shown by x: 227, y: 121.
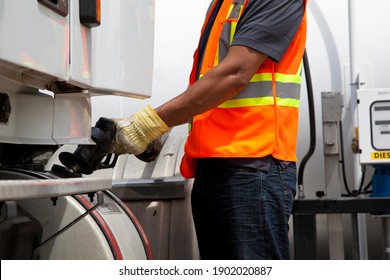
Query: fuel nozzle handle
x: 88, y: 158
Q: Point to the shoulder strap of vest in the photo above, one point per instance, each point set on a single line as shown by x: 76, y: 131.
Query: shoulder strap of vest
x: 196, y: 54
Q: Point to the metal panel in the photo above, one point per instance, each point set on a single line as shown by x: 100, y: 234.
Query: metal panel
x: 30, y: 120
x: 37, y: 118
x: 115, y: 57
x: 38, y: 40
x: 72, y: 119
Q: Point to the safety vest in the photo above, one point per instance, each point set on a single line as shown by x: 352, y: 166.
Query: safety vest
x: 259, y: 121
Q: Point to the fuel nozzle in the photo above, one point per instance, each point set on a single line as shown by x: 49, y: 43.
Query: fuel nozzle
x: 88, y: 158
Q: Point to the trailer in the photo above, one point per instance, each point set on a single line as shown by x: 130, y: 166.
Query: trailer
x: 54, y: 57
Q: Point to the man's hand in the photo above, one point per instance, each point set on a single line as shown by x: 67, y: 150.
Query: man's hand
x: 152, y: 151
x: 135, y: 133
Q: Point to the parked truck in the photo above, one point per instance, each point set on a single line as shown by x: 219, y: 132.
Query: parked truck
x: 55, y: 55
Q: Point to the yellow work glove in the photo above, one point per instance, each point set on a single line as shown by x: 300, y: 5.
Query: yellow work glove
x: 133, y: 134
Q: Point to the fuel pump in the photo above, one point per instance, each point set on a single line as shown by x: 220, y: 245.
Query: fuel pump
x: 374, y: 136
x: 374, y: 145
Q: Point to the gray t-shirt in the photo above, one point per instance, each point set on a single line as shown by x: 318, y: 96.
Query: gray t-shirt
x: 269, y: 26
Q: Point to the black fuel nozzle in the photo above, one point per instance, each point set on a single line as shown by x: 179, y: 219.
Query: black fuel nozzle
x: 88, y: 158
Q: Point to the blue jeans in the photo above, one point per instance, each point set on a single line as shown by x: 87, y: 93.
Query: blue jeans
x: 242, y: 213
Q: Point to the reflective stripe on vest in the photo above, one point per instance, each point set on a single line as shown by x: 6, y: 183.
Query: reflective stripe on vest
x: 260, y: 87
x: 260, y: 90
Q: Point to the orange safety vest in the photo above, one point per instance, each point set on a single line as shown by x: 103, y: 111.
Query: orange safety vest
x: 259, y: 121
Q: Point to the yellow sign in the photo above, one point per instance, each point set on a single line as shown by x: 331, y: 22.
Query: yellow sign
x: 380, y: 155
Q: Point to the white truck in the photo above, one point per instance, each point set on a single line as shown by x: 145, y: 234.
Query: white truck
x: 55, y: 55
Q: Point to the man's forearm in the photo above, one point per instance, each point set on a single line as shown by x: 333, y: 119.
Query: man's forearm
x: 207, y: 93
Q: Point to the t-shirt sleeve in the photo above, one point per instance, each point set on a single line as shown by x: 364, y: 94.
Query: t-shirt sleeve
x: 269, y: 26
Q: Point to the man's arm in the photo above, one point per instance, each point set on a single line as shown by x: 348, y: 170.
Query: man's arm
x: 221, y: 83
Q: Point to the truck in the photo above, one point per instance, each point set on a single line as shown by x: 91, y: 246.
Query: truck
x: 55, y: 55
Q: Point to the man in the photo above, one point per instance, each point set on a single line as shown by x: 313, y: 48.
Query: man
x: 243, y: 102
